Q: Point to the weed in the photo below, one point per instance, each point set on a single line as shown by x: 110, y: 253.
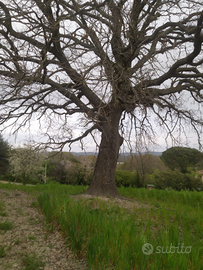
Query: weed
x: 3, y: 214
x: 2, y: 206
x: 32, y: 262
x: 50, y: 245
x: 34, y: 204
x: 17, y: 242
x: 9, y: 247
x: 20, y: 211
x: 2, y: 252
x: 33, y: 221
x: 6, y: 225
x: 32, y: 238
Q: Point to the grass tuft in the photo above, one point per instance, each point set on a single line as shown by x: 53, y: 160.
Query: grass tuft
x: 32, y: 262
x: 32, y: 238
x: 6, y: 225
x: 2, y: 252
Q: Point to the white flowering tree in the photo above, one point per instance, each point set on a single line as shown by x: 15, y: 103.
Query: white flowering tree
x: 26, y: 164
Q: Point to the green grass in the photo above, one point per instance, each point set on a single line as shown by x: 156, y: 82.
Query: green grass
x: 32, y: 262
x: 6, y: 225
x: 3, y: 214
x: 2, y: 206
x: 2, y: 209
x: 34, y: 221
x: 2, y: 252
x: 20, y: 211
x: 17, y: 242
x: 32, y: 238
x: 112, y: 238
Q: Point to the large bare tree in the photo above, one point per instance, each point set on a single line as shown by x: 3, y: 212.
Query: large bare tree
x: 105, y: 61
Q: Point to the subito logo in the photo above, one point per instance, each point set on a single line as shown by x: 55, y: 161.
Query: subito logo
x: 147, y: 249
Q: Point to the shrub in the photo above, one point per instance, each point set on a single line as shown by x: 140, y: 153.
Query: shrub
x: 128, y: 179
x: 176, y: 180
x: 8, y: 177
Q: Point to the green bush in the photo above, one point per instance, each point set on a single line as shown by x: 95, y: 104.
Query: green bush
x: 76, y: 176
x: 89, y: 178
x: 176, y: 180
x: 27, y: 180
x: 8, y: 177
x: 127, y: 179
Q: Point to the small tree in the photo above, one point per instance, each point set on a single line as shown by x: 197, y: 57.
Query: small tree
x: 27, y: 164
x: 180, y: 158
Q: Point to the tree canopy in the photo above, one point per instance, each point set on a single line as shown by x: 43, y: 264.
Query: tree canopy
x: 107, y: 62
x: 180, y: 158
x: 144, y: 164
x: 26, y: 163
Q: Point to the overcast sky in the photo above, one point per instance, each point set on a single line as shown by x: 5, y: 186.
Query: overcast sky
x: 26, y: 135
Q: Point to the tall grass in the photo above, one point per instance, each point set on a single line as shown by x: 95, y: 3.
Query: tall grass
x: 189, y: 198
x: 110, y: 237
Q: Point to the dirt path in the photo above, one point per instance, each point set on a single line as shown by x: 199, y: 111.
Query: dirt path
x: 28, y: 239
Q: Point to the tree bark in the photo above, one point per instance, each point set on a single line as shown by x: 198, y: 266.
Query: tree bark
x: 103, y: 182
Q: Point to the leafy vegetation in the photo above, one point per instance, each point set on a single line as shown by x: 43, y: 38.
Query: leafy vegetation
x: 32, y: 262
x: 4, y: 154
x: 26, y: 164
x: 128, y: 179
x: 65, y: 168
x: 181, y: 158
x: 2, y: 252
x: 136, y: 171
x: 2, y: 206
x: 140, y: 166
x: 145, y: 163
x: 32, y: 237
x: 2, y: 209
x: 176, y: 180
x: 110, y: 237
x: 6, y: 225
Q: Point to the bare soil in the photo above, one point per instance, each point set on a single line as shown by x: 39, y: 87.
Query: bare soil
x: 29, y: 236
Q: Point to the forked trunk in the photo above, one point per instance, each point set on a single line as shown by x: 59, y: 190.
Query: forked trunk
x: 103, y: 181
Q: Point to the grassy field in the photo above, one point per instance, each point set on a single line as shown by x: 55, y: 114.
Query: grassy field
x: 166, y: 235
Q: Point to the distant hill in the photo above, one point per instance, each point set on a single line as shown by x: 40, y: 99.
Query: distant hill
x: 84, y: 153
x: 155, y: 153
x: 122, y: 156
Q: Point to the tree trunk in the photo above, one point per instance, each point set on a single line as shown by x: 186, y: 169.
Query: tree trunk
x: 103, y: 181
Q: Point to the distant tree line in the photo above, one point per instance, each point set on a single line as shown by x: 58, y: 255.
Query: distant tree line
x: 176, y: 168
